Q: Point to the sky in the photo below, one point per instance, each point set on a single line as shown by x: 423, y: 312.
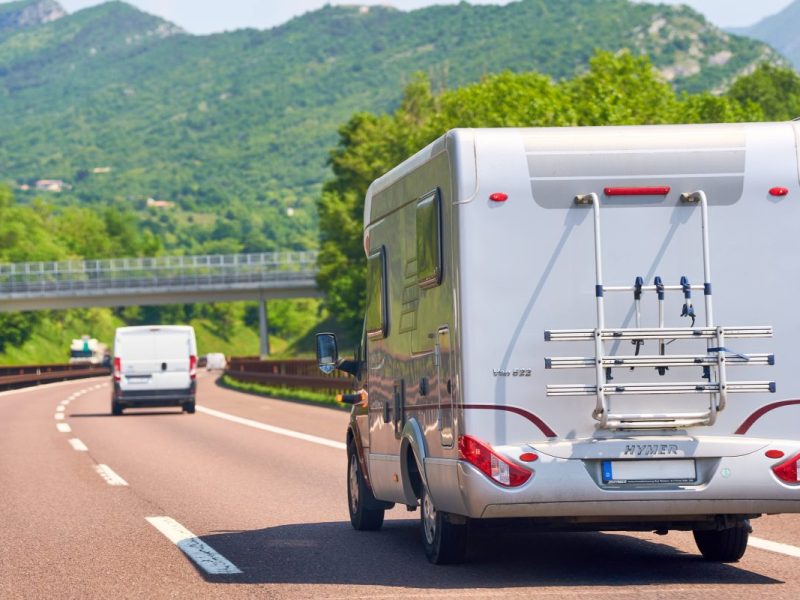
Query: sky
x: 209, y: 16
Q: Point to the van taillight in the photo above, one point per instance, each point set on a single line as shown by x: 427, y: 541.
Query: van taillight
x: 192, y: 366
x: 117, y: 368
x: 494, y: 466
x: 788, y: 471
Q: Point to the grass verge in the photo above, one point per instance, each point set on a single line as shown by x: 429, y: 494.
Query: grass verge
x: 282, y: 393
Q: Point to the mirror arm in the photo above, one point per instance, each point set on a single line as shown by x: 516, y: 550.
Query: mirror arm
x: 351, y: 367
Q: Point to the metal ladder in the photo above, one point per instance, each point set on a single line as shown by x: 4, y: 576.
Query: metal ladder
x: 713, y: 363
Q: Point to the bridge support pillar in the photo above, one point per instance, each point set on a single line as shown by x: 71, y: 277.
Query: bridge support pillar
x: 263, y: 328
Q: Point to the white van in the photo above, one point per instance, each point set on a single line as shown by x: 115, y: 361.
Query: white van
x: 154, y: 366
x: 215, y: 361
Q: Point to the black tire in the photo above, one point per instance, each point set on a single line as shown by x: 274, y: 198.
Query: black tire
x: 189, y: 408
x: 360, y: 500
x: 726, y: 545
x: 445, y: 541
x: 116, y: 408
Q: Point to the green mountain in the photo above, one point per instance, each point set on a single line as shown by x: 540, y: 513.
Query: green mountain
x: 779, y: 31
x: 235, y: 128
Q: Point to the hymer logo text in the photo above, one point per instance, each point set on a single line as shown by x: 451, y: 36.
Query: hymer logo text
x: 650, y: 449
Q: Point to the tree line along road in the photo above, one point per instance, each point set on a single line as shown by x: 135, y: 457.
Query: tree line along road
x: 247, y: 498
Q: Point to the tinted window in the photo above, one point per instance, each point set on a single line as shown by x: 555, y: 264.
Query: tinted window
x: 429, y: 241
x: 377, y: 313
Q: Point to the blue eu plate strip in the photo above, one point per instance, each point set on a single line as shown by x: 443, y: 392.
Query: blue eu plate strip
x: 607, y: 473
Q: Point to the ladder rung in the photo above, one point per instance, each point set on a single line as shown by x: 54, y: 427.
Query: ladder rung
x: 656, y: 333
x: 630, y: 389
x: 675, y: 360
x: 667, y: 422
x: 636, y: 418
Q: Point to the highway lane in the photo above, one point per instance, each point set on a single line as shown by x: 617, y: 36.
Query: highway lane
x: 275, y: 508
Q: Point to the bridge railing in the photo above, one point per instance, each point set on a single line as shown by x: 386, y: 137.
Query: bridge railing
x: 126, y: 273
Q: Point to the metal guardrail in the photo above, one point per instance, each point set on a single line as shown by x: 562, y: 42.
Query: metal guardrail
x: 15, y: 377
x: 131, y: 273
x: 293, y: 373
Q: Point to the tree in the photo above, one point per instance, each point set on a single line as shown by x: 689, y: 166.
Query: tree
x: 775, y: 90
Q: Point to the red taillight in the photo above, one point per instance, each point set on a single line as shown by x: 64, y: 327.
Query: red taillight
x: 494, y: 466
x: 498, y: 197
x: 787, y: 471
x: 117, y: 368
x: 192, y: 366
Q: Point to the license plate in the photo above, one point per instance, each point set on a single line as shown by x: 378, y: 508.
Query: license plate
x: 649, y: 471
x: 141, y: 379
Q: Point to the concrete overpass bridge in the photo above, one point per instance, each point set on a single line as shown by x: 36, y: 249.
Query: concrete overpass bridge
x: 158, y: 281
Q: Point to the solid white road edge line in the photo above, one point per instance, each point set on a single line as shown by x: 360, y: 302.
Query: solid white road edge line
x: 774, y: 547
x: 272, y: 429
x: 78, y: 445
x: 202, y: 554
x: 43, y: 387
x: 63, y: 427
x: 111, y: 478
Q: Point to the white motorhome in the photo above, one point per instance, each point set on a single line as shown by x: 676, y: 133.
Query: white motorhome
x: 544, y: 338
x: 154, y: 366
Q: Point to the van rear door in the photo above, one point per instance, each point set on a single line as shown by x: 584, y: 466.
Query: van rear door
x: 155, y: 359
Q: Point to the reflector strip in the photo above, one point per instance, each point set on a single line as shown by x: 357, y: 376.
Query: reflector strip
x: 637, y: 191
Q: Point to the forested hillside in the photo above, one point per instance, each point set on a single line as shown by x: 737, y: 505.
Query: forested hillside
x: 779, y: 31
x: 235, y: 128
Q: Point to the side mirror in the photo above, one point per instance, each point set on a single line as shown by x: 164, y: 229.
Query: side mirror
x: 327, y: 352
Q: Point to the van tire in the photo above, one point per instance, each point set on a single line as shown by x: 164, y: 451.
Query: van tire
x: 359, y: 497
x: 725, y: 545
x: 444, y: 539
x: 189, y: 407
x: 116, y: 408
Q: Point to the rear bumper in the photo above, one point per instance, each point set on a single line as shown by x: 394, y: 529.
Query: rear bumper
x: 571, y: 488
x: 134, y: 398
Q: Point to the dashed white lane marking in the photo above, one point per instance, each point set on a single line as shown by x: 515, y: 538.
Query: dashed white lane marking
x: 64, y: 403
x: 78, y: 445
x: 60, y: 408
x: 774, y: 547
x: 111, y: 478
x: 272, y: 429
x: 202, y: 554
x: 63, y: 427
x: 58, y: 416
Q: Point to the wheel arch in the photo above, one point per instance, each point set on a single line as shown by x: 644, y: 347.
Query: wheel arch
x: 413, y: 452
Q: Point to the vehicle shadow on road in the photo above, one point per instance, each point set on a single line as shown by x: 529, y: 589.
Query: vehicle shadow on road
x: 333, y: 553
x: 148, y: 413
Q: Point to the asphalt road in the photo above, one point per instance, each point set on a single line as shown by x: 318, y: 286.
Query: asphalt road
x: 254, y: 490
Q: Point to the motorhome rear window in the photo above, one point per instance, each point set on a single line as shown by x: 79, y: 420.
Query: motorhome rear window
x: 377, y: 312
x: 429, y: 241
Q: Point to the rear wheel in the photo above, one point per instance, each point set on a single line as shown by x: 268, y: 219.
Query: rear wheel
x: 116, y: 408
x: 726, y: 545
x: 188, y: 407
x: 444, y: 539
x: 359, y: 497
